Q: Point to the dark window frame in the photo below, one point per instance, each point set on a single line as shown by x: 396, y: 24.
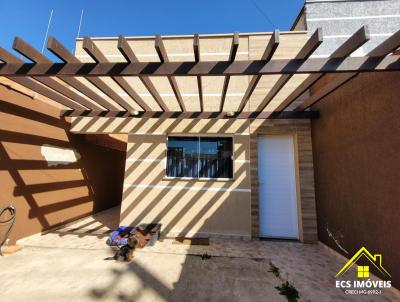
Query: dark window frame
x: 199, y: 137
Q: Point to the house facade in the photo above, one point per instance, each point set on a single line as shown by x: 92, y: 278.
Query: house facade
x: 214, y: 192
x: 212, y: 147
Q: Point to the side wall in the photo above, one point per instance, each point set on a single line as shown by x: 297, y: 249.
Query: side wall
x: 356, y: 143
x: 50, y: 175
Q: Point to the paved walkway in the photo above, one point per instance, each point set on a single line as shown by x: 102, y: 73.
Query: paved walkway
x: 310, y: 267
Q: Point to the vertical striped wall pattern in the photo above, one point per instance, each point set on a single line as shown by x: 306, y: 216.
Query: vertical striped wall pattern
x: 304, y: 173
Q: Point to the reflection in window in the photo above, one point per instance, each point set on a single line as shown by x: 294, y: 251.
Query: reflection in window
x: 199, y: 157
x: 182, y: 156
x: 215, y: 158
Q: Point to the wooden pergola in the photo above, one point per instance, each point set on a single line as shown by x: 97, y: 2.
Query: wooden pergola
x: 54, y: 79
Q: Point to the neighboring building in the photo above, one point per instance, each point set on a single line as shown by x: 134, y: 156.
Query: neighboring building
x: 339, y: 19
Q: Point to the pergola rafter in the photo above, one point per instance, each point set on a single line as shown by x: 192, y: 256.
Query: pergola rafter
x: 196, y: 49
x: 130, y: 57
x: 232, y: 56
x: 93, y: 51
x: 346, y: 49
x: 56, y: 47
x: 33, y: 85
x: 35, y: 56
x: 380, y: 51
x: 162, y: 54
x: 267, y: 55
x: 304, y: 53
x: 54, y: 80
x: 63, y: 54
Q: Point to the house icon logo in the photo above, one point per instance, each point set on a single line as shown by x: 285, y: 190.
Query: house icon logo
x: 363, y: 271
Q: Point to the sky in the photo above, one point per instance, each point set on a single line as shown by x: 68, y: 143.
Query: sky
x: 29, y: 19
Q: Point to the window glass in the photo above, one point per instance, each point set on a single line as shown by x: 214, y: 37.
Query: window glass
x: 199, y: 157
x: 182, y: 156
x: 215, y: 157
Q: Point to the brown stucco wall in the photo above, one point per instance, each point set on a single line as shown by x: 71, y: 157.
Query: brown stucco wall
x: 356, y: 143
x: 44, y: 195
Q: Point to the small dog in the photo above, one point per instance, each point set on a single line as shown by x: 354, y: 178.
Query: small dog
x: 125, y: 253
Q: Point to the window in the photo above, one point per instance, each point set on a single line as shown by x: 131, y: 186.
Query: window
x: 199, y: 157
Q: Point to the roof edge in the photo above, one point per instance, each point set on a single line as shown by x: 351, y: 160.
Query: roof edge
x: 191, y: 36
x: 299, y: 15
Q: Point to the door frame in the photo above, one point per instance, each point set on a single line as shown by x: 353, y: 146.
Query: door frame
x: 296, y: 181
x: 301, y: 130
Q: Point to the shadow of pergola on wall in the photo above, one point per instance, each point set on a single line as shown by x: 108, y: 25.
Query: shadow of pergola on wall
x: 45, y: 193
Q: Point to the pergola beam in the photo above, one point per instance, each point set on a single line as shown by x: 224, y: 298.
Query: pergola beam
x: 198, y: 115
x: 305, y: 52
x: 162, y: 54
x: 48, y: 93
x: 206, y: 68
x: 346, y: 49
x: 130, y: 57
x: 232, y: 56
x: 377, y: 54
x: 196, y: 49
x: 267, y: 55
x: 95, y: 53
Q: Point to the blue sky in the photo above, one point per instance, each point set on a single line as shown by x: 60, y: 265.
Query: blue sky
x: 29, y: 18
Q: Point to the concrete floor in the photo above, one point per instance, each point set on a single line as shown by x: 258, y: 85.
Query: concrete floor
x: 51, y: 274
x: 67, y: 264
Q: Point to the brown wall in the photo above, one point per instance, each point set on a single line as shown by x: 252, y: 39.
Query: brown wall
x: 47, y: 195
x: 356, y: 143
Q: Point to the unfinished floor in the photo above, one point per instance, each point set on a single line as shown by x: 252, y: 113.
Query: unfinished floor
x: 68, y: 264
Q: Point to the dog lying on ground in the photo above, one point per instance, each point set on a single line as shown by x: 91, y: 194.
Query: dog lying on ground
x: 125, y: 253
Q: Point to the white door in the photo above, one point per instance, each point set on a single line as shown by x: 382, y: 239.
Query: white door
x: 277, y: 187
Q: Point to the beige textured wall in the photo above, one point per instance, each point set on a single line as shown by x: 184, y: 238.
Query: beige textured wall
x: 207, y: 208
x: 185, y: 207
